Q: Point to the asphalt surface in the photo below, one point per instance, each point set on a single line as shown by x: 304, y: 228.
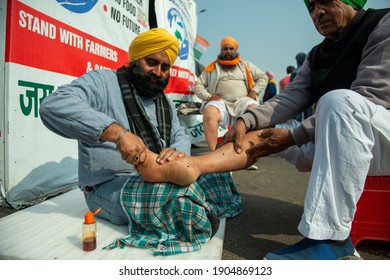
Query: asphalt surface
x: 272, y: 201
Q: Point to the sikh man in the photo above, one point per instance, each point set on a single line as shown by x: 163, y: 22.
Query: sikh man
x: 227, y: 86
x: 346, y: 140
x: 347, y: 77
x: 116, y: 116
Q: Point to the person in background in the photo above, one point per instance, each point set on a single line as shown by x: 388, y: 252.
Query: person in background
x: 118, y: 115
x: 270, y: 90
x: 227, y: 87
x: 286, y: 79
x: 300, y: 58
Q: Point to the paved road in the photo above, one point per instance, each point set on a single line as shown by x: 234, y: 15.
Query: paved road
x: 272, y: 200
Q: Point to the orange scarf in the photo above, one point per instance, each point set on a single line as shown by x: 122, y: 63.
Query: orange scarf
x: 211, y: 67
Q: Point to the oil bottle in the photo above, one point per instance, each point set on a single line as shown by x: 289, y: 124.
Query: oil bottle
x: 89, y: 231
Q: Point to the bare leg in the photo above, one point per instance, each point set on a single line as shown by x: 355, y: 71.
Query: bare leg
x: 184, y: 171
x: 211, y: 119
x: 252, y: 167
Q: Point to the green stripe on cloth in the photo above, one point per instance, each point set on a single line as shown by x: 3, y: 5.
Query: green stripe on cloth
x: 173, y: 219
x: 200, y: 46
x: 221, y: 194
x: 356, y: 4
x: 197, y: 54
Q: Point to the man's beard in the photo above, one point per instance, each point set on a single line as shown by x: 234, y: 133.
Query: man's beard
x: 227, y: 56
x: 147, y: 85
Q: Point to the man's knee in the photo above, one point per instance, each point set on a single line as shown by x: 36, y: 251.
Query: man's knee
x: 211, y: 113
x: 252, y: 106
x: 335, y: 100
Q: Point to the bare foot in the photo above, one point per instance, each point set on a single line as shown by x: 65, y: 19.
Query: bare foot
x: 180, y: 171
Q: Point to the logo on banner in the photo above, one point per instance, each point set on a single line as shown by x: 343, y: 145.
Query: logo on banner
x: 177, y: 26
x: 78, y: 6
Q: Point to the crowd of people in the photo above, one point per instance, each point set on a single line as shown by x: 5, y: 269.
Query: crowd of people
x: 134, y: 156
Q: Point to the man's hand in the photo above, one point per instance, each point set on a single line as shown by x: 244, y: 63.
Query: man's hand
x: 235, y: 134
x: 214, y: 97
x: 274, y: 140
x: 252, y: 94
x: 132, y: 148
x: 169, y: 154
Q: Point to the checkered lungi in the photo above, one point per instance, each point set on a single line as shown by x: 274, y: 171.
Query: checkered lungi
x: 173, y: 219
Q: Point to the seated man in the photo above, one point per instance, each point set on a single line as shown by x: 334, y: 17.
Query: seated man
x: 227, y: 86
x: 349, y: 135
x: 117, y: 116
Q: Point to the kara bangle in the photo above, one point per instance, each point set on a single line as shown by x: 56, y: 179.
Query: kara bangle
x: 120, y: 136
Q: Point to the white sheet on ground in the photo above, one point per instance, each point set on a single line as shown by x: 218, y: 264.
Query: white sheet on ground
x: 52, y: 230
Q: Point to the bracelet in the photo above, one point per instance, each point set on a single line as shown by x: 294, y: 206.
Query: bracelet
x: 120, y: 136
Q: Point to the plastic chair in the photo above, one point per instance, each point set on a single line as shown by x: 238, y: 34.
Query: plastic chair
x: 372, y: 217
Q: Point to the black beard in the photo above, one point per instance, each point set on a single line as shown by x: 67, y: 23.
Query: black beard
x: 147, y: 85
x: 227, y: 56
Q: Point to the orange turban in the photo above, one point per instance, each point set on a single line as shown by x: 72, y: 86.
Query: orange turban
x: 229, y: 41
x: 153, y: 41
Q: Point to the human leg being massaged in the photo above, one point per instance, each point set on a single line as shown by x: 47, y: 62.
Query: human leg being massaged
x: 185, y: 170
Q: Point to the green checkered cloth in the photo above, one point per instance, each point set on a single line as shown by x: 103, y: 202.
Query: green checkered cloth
x: 173, y: 219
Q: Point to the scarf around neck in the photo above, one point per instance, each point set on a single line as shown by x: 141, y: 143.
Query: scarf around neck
x: 211, y: 67
x: 139, y: 121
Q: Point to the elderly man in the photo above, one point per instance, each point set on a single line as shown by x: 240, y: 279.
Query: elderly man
x: 348, y: 138
x: 348, y: 76
x: 118, y: 115
x: 228, y: 86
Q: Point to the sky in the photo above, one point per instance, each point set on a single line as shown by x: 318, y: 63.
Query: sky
x: 269, y: 32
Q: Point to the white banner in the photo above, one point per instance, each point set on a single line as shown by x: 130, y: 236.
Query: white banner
x: 179, y: 18
x: 48, y: 44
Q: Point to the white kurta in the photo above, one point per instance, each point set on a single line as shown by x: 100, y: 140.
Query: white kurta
x: 352, y: 139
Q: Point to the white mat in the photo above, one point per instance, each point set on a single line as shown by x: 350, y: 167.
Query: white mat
x: 52, y: 230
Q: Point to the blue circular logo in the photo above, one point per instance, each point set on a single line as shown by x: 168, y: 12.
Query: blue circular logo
x: 177, y: 26
x: 78, y: 6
